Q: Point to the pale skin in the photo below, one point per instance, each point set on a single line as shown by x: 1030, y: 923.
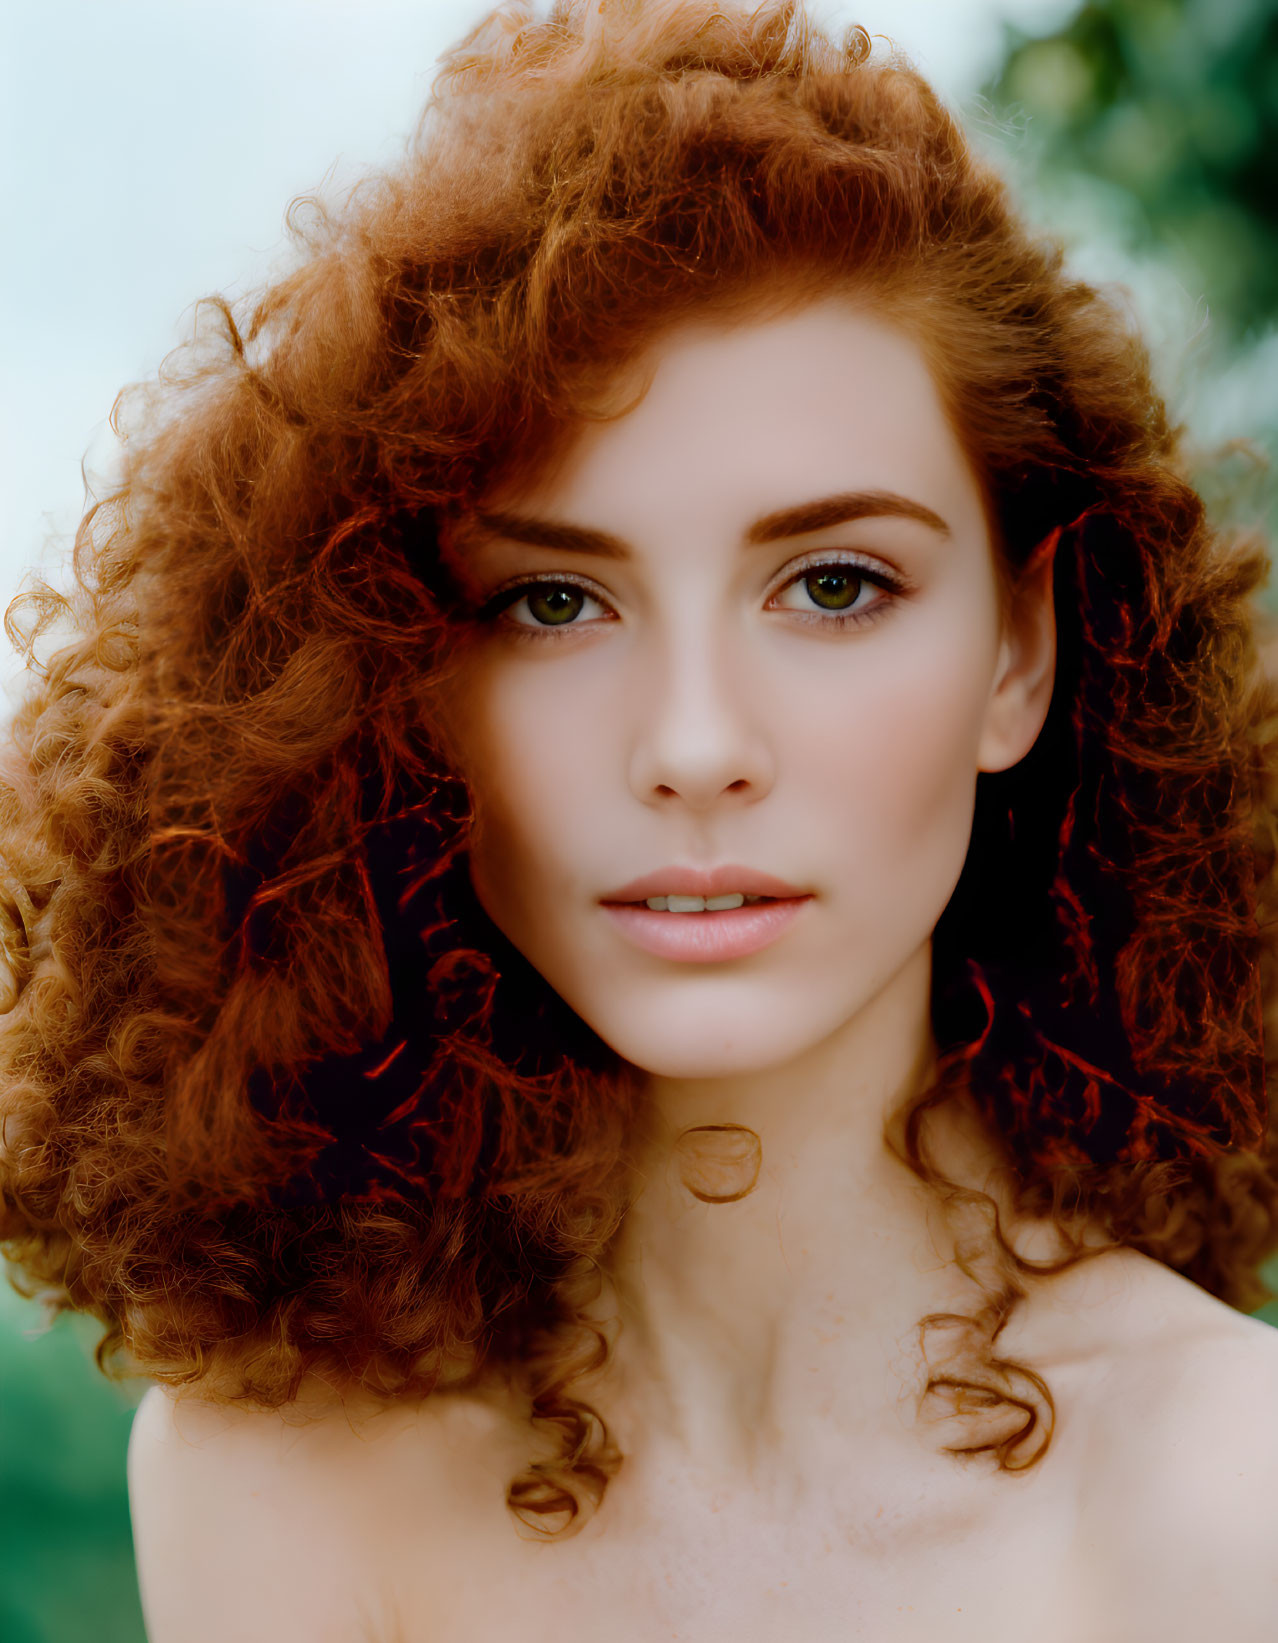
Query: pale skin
x: 696, y: 704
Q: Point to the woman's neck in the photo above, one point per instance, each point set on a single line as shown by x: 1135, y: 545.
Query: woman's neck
x: 749, y: 1325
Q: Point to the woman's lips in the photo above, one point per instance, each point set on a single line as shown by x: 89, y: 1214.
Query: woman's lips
x: 706, y: 938
x: 703, y: 881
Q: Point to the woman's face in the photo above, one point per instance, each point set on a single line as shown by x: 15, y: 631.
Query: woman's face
x: 746, y: 639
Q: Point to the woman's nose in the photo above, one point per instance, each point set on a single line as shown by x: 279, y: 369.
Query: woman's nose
x: 699, y: 737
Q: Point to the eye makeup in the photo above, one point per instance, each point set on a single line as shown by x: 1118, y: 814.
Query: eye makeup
x: 828, y: 575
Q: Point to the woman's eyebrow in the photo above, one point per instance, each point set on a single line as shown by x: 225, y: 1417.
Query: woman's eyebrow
x: 839, y: 509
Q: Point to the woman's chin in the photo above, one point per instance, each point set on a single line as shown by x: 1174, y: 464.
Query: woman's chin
x: 667, y: 1055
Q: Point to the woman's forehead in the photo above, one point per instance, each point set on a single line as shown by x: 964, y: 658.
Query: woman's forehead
x: 758, y: 415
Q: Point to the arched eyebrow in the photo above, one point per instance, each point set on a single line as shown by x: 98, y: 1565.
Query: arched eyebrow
x: 840, y: 509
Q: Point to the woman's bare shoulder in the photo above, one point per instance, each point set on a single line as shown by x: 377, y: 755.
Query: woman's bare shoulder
x: 249, y: 1519
x: 377, y: 1456
x: 236, y: 1531
x: 1182, y: 1475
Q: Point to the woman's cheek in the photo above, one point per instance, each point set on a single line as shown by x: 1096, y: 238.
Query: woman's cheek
x: 891, y: 797
x: 534, y: 779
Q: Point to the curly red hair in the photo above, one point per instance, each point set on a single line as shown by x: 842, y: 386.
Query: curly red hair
x: 278, y: 1099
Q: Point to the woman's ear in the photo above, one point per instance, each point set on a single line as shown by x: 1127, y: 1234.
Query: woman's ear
x: 1022, y: 688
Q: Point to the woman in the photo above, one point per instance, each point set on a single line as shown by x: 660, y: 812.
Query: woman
x: 641, y: 923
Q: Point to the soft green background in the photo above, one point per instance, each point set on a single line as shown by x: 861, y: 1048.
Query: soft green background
x: 1141, y: 130
x: 66, y: 1553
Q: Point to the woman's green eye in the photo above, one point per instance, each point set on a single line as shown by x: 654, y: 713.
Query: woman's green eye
x: 555, y: 606
x: 833, y: 590
x: 833, y: 587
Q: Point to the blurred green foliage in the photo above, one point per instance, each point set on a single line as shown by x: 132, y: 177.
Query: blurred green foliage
x: 66, y: 1548
x: 1176, y: 102
x: 1269, y: 1313
x: 1144, y: 132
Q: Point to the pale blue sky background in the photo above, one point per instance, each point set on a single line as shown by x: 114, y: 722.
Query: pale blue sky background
x: 149, y: 149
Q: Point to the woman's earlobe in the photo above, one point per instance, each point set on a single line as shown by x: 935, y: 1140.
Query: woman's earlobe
x: 1023, y: 683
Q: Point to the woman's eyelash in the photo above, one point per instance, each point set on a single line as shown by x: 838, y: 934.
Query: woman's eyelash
x: 891, y: 583
x: 498, y: 603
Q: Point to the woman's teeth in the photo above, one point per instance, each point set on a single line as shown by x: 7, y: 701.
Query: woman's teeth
x: 700, y: 904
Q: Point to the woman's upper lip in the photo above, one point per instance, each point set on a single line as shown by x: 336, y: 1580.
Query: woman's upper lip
x: 703, y: 881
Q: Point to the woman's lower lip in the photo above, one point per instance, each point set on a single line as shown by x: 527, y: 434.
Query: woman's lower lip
x: 705, y: 938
